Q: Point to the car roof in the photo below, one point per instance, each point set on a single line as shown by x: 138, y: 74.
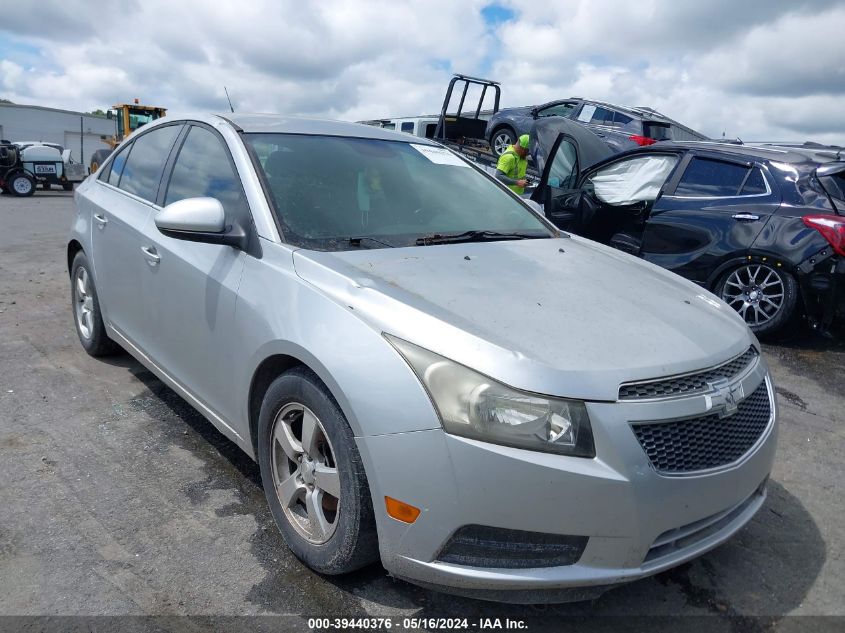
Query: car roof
x: 763, y: 152
x: 283, y: 124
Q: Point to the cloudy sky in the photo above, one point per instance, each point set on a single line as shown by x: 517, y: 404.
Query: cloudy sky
x: 757, y: 69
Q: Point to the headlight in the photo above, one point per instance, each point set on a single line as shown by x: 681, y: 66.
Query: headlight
x: 473, y: 405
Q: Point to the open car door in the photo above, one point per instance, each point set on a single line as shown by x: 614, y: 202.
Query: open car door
x: 562, y: 150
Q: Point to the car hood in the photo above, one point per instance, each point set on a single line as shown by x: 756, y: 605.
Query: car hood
x: 562, y: 316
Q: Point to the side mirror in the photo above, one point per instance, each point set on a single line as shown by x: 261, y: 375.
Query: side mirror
x: 199, y: 220
x: 534, y: 112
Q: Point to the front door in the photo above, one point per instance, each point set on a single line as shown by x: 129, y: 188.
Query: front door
x: 713, y: 214
x: 193, y: 288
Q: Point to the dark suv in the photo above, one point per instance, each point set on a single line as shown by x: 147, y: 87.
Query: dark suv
x: 621, y: 127
x: 762, y: 227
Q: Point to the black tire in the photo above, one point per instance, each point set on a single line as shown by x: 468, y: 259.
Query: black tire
x: 96, y: 342
x: 67, y: 186
x: 21, y: 185
x: 353, y: 542
x: 501, y: 139
x: 785, y: 284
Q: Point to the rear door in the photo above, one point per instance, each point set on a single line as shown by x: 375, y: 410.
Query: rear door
x: 122, y: 203
x: 711, y: 212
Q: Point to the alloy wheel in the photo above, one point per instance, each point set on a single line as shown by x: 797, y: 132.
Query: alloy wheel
x: 305, y: 473
x: 756, y: 291
x: 501, y: 142
x: 84, y: 303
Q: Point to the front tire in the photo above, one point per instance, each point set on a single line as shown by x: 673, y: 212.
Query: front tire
x: 22, y: 185
x: 502, y: 139
x: 313, y: 476
x: 766, y: 297
x: 86, y: 310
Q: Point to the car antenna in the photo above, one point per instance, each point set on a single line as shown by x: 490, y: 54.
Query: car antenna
x: 228, y: 99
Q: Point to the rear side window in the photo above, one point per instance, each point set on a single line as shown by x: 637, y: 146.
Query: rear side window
x: 602, y: 116
x: 711, y: 178
x: 142, y: 172
x: 203, y: 169
x: 657, y: 131
x: 408, y: 127
x: 115, y: 169
x: 754, y: 184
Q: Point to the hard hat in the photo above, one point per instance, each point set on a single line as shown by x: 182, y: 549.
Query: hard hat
x: 523, y: 141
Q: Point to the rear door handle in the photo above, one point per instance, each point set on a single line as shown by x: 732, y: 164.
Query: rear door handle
x: 100, y: 219
x: 746, y: 217
x: 150, y: 254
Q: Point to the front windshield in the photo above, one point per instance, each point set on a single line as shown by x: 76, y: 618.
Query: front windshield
x: 328, y: 189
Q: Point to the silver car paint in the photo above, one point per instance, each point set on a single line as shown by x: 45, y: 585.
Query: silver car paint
x: 563, y: 317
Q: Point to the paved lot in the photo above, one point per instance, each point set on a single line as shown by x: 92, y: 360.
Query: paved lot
x: 118, y: 498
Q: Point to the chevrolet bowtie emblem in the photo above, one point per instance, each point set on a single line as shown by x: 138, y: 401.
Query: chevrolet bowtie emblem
x: 725, y: 397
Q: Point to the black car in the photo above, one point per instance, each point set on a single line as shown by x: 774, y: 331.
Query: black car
x: 623, y: 127
x: 762, y: 227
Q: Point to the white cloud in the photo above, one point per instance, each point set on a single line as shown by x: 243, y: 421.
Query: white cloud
x: 756, y: 69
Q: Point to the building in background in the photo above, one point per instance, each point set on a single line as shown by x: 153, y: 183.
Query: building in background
x: 79, y: 132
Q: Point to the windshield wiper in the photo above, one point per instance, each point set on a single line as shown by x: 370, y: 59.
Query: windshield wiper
x: 473, y: 236
x: 356, y: 241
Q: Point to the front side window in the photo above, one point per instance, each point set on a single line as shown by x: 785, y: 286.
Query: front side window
x: 633, y: 180
x: 203, y: 169
x: 561, y: 109
x: 115, y: 168
x: 326, y: 190
x: 564, y: 169
x: 145, y: 164
x: 408, y: 127
x: 711, y: 178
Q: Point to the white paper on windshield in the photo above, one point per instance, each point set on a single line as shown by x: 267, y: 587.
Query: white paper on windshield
x: 439, y: 155
x: 586, y: 113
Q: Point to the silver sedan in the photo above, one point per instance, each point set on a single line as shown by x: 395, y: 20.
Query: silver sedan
x: 425, y: 369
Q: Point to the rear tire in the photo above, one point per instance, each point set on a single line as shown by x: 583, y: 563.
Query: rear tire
x: 22, y: 185
x: 765, y: 296
x: 502, y: 138
x: 86, y: 310
x: 67, y: 186
x: 306, y: 447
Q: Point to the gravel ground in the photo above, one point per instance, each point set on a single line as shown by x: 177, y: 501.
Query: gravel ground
x: 119, y: 499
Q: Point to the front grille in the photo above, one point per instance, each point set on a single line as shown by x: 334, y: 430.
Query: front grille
x: 706, y: 442
x: 485, y: 546
x: 689, y: 384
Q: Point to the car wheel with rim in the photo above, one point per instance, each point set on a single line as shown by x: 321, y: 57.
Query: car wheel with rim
x: 502, y: 139
x: 22, y: 185
x: 765, y: 297
x: 86, y: 310
x: 313, y: 476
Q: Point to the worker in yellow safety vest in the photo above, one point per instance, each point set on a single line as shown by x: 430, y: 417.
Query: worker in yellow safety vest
x: 512, y: 165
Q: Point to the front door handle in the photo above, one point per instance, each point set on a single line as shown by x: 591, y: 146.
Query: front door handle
x: 100, y: 219
x: 745, y: 217
x: 150, y: 254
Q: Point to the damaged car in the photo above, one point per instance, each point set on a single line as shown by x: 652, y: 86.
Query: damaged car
x: 427, y: 372
x: 762, y: 227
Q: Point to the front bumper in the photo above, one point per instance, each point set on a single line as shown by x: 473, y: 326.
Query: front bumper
x: 638, y: 522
